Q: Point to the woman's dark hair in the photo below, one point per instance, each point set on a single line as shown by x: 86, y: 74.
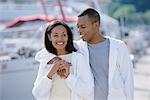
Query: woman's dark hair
x: 48, y: 44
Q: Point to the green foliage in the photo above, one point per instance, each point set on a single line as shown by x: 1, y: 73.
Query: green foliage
x: 124, y: 10
x: 146, y: 17
x: 139, y: 18
x: 112, y: 7
x: 135, y: 18
x: 133, y: 12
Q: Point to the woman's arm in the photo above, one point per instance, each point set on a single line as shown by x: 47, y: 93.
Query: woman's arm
x: 42, y: 85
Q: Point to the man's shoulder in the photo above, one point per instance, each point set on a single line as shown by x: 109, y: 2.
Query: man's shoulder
x: 115, y: 41
x: 118, y: 43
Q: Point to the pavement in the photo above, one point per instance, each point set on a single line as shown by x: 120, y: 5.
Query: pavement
x: 142, y: 77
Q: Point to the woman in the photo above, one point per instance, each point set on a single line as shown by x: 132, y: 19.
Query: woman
x: 66, y: 78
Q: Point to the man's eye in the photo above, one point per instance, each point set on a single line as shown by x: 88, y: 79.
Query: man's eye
x: 83, y: 27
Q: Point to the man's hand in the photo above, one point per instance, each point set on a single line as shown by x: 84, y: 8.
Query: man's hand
x: 64, y: 71
x: 61, y: 67
x: 53, y: 60
x: 57, y: 64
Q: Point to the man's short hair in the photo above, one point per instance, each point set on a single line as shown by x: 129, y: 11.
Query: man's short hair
x: 91, y: 13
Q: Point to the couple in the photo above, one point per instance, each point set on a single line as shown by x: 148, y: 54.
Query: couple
x: 99, y: 68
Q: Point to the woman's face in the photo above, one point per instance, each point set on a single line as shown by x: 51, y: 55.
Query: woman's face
x: 59, y: 37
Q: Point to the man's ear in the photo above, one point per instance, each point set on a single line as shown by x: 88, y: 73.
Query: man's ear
x: 49, y: 37
x: 96, y: 24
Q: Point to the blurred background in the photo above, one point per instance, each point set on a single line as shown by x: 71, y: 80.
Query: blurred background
x: 22, y: 26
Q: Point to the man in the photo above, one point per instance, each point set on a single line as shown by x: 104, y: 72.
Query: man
x: 109, y: 59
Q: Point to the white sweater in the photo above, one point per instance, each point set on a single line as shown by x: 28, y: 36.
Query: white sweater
x: 120, y: 75
x: 80, y: 81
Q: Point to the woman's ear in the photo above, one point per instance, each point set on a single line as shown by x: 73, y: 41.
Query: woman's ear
x: 49, y: 37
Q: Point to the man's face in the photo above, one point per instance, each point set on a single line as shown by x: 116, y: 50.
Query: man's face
x: 86, y: 28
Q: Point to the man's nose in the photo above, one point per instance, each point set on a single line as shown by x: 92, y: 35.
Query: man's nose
x: 80, y: 31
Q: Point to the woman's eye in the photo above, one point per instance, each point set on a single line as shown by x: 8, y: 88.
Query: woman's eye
x: 55, y: 35
x: 65, y: 34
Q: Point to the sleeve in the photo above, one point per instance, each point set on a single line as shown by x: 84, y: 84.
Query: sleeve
x: 81, y: 83
x: 42, y: 85
x: 80, y: 45
x: 43, y: 56
x: 82, y: 48
x: 126, y: 69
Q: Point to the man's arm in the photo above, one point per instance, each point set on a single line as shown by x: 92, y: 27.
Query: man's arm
x: 44, y: 56
x: 126, y: 69
x: 82, y: 48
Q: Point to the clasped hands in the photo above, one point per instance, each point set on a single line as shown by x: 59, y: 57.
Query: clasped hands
x: 61, y: 67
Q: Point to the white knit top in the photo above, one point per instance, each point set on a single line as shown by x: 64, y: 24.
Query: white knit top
x: 59, y: 89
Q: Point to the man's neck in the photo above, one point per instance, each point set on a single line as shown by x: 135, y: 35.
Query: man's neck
x: 97, y: 38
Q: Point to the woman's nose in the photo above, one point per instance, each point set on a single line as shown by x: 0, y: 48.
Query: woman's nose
x: 60, y: 38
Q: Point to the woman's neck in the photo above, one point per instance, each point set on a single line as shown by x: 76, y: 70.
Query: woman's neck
x: 62, y: 52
